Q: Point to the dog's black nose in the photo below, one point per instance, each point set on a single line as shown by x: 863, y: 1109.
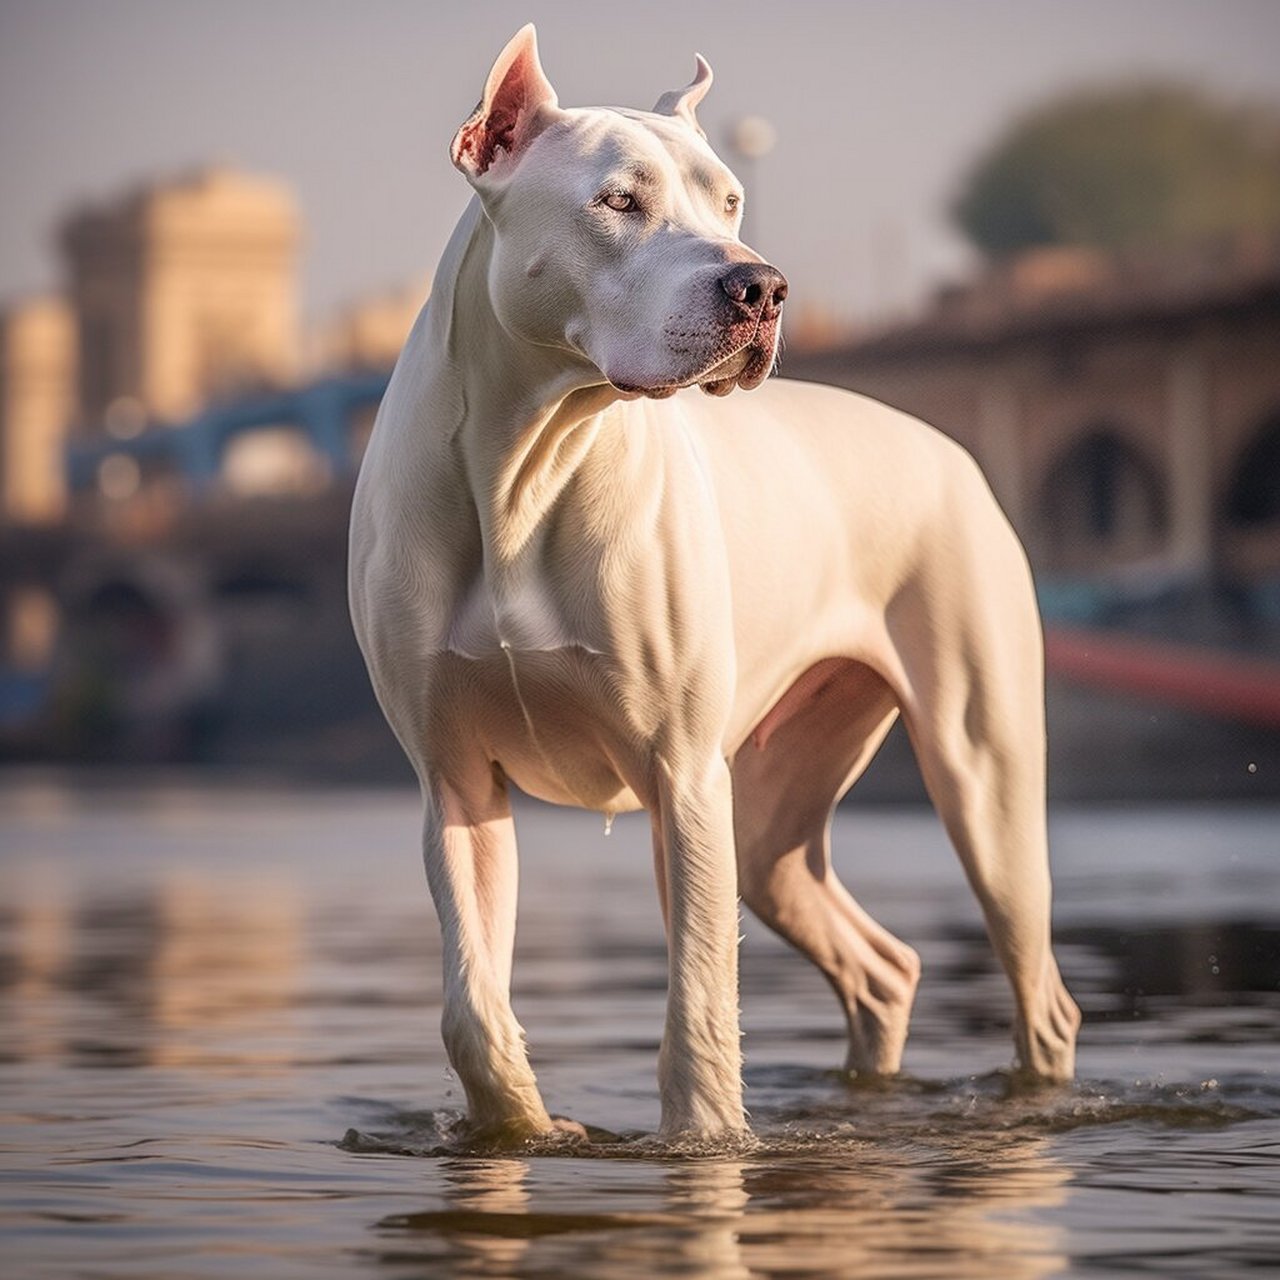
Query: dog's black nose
x: 756, y: 286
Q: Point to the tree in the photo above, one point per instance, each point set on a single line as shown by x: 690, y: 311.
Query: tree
x: 1113, y: 167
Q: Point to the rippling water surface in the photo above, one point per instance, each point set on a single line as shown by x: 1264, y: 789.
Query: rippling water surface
x: 219, y: 1056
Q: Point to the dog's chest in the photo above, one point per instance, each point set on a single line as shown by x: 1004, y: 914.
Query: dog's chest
x: 518, y: 679
x: 516, y: 611
x: 549, y: 718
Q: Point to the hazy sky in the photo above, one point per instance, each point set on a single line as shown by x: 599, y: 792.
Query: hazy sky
x: 879, y: 107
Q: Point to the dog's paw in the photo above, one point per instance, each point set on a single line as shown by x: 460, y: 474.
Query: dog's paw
x: 569, y: 1129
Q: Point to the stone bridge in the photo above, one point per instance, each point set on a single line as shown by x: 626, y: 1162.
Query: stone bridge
x: 1128, y: 419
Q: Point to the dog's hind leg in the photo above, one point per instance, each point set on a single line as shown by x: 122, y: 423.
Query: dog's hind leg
x: 972, y: 696
x: 786, y: 779
x: 469, y: 849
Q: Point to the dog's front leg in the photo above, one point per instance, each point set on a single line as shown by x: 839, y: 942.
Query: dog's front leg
x: 700, y: 1065
x: 469, y: 849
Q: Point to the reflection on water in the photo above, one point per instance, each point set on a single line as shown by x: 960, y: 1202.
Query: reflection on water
x: 183, y: 974
x: 219, y: 1055
x: 740, y: 1217
x: 829, y: 1208
x: 1221, y: 962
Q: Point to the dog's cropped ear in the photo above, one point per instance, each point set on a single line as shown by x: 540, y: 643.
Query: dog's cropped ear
x: 518, y: 104
x: 684, y: 102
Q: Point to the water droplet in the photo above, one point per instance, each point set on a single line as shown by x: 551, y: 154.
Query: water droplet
x: 1253, y: 768
x: 608, y: 824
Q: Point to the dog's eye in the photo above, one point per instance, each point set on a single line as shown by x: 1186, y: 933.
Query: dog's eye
x: 620, y: 201
x: 732, y: 203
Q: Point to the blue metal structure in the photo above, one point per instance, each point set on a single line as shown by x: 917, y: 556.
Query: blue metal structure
x: 322, y: 410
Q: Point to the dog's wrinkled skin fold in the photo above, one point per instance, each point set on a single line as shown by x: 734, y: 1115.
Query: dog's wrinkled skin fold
x: 572, y: 573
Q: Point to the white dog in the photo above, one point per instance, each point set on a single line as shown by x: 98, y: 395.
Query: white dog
x: 572, y: 571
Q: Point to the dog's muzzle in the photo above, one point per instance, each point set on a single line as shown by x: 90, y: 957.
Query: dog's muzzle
x: 733, y: 343
x: 756, y: 291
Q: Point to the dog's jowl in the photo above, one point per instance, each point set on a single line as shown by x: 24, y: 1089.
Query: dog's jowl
x: 573, y: 571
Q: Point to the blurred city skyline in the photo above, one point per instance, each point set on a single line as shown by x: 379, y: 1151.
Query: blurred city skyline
x: 354, y: 107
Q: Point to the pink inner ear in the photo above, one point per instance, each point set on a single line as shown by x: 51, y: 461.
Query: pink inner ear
x: 480, y: 141
x: 484, y: 135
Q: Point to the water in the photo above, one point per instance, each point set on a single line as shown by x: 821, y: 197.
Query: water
x: 219, y: 1056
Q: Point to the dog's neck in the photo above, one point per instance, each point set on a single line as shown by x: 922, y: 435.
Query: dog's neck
x: 520, y: 436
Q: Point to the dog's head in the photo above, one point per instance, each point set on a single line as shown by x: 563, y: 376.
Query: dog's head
x: 616, y: 234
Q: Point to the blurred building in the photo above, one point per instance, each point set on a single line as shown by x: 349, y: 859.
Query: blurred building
x: 37, y: 374
x: 369, y: 332
x: 366, y: 336
x: 1125, y: 409
x: 184, y: 291
x: 180, y: 294
x: 37, y: 399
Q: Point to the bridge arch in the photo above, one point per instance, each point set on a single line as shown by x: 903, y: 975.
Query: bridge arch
x: 1253, y: 491
x: 1250, y: 521
x: 1102, y: 502
x: 138, y: 655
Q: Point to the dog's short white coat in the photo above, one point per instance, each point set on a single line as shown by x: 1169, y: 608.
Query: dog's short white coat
x: 710, y: 608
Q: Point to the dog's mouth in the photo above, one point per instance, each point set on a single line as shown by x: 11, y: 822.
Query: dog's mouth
x: 747, y: 366
x: 747, y: 369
